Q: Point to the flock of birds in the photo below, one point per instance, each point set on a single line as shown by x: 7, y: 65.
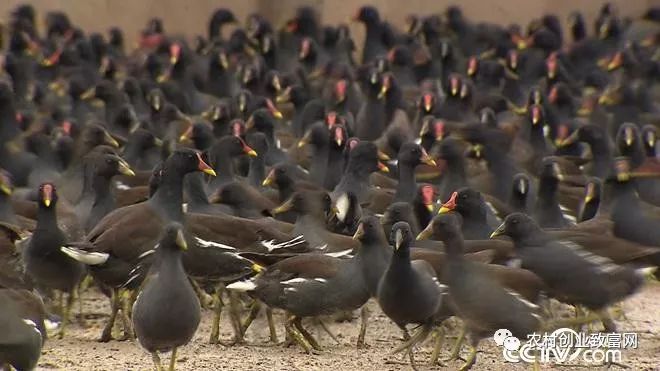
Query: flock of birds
x: 270, y: 169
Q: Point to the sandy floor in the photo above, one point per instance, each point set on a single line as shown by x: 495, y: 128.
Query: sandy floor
x: 80, y: 350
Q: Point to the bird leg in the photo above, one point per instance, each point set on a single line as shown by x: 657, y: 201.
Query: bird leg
x: 254, y: 312
x: 607, y: 321
x: 128, y: 298
x: 156, y: 359
x: 296, y: 336
x: 271, y: 325
x: 456, y: 349
x: 471, y: 359
x: 310, y: 339
x: 439, y: 338
x: 81, y: 318
x: 106, y: 335
x: 234, y: 314
x: 204, y: 298
x: 172, y: 359
x: 325, y: 328
x: 217, y: 311
x: 364, y: 317
x: 66, y: 313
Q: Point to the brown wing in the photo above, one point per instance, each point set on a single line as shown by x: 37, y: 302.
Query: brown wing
x: 309, y: 266
x: 127, y: 232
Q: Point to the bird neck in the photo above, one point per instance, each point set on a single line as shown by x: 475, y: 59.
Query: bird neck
x: 46, y: 216
x: 168, y: 199
x: 194, y: 187
x: 454, y: 246
x: 257, y: 171
x: 547, y: 193
x: 405, y: 189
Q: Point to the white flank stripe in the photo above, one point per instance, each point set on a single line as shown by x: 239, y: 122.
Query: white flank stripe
x: 204, y: 243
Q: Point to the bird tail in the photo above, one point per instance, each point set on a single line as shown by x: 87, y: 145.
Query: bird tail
x: 85, y: 257
x: 242, y: 286
x: 417, y: 338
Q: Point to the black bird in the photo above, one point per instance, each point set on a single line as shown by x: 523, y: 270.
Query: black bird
x: 20, y: 338
x: 472, y: 207
x: 482, y: 303
x: 573, y: 274
x: 166, y: 313
x: 547, y: 212
x: 409, y: 291
x: 45, y: 264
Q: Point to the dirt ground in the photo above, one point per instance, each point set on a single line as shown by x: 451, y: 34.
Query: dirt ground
x: 79, y: 350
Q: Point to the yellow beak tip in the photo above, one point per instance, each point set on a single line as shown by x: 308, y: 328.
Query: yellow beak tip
x: 210, y: 172
x: 252, y: 153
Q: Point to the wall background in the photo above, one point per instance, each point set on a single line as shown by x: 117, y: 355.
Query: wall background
x: 190, y: 17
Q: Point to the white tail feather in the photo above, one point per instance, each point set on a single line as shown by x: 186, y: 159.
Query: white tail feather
x: 88, y: 258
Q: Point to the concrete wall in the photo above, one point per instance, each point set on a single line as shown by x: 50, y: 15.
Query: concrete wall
x: 190, y: 17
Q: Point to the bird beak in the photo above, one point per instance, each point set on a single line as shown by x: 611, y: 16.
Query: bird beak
x: 382, y: 167
x: 284, y: 97
x: 88, y: 94
x: 48, y: 196
x: 257, y: 268
x: 359, y: 232
x: 398, y: 239
x: 125, y: 169
x: 557, y: 170
x: 499, y: 231
x: 570, y: 139
x: 186, y: 134
x: 110, y: 140
x: 305, y: 139
x: 181, y: 240
x: 249, y: 151
x: 426, y: 159
x: 628, y: 136
x: 590, y: 193
x: 6, y: 189
x: 158, y: 142
x: 426, y: 233
x: 616, y: 61
x: 288, y: 205
x: 270, y: 179
x: 383, y: 91
x: 383, y: 156
x: 203, y: 166
x: 449, y: 205
x: 274, y: 111
x: 223, y: 61
x: 249, y: 124
x: 276, y: 83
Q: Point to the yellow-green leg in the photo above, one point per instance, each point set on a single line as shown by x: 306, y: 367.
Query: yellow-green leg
x: 364, y: 317
x: 254, y: 312
x: 439, y: 334
x: 271, y: 325
x: 217, y: 311
x: 156, y: 359
x: 296, y: 336
x: 472, y: 357
x: 297, y: 322
x: 172, y: 359
x: 106, y: 335
x: 127, y: 298
x: 456, y: 349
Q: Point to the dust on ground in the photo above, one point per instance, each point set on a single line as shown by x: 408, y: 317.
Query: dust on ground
x: 79, y: 350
